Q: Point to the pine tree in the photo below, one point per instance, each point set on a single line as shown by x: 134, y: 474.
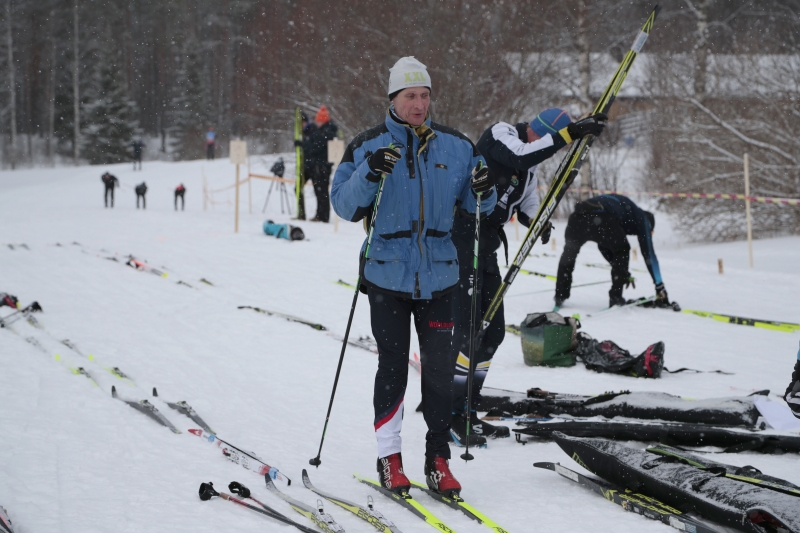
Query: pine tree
x: 190, y: 105
x: 110, y: 117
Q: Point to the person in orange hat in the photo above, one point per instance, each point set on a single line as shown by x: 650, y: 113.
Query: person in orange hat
x: 315, y: 148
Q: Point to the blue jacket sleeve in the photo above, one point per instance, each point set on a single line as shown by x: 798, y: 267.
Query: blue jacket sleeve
x: 352, y: 193
x: 646, y: 245
x: 467, y: 197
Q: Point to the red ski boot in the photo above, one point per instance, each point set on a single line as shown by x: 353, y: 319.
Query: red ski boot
x: 390, y: 473
x: 439, y: 477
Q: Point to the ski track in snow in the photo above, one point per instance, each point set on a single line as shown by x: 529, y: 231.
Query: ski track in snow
x: 75, y: 460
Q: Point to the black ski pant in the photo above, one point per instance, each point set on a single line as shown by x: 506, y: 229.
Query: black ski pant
x: 391, y: 327
x: 489, y: 280
x: 109, y: 193
x: 320, y: 174
x: 183, y: 202
x: 210, y: 151
x: 137, y: 158
x: 144, y: 204
x: 616, y: 253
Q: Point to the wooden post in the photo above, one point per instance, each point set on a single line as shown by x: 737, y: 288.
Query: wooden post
x: 205, y: 189
x: 249, y: 187
x: 516, y: 228
x: 236, y: 224
x: 719, y: 265
x: 747, y: 208
x: 635, y: 255
x: 553, y: 244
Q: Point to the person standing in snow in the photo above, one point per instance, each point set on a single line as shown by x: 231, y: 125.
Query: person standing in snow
x: 513, y: 153
x: 317, y: 167
x: 141, y: 190
x: 792, y: 395
x: 412, y: 267
x: 137, y: 145
x: 110, y: 183
x: 608, y: 220
x: 211, y: 142
x: 180, y: 190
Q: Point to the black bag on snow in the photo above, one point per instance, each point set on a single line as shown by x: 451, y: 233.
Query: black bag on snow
x: 607, y: 356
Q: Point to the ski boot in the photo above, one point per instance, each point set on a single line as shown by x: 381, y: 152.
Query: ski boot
x: 439, y: 477
x: 458, y: 432
x: 390, y: 474
x: 487, y: 430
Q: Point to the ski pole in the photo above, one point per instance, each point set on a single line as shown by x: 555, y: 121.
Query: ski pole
x: 473, y: 311
x: 316, y: 461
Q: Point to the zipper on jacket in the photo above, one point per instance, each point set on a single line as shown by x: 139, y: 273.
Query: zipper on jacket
x: 416, y: 287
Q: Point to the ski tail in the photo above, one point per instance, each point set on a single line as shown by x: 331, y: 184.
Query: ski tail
x: 460, y: 504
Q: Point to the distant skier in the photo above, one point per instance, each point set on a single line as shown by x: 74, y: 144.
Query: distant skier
x: 110, y: 183
x: 792, y: 395
x: 180, y: 190
x: 513, y: 154
x: 608, y: 220
x: 317, y: 167
x: 141, y: 190
x: 412, y: 266
x: 211, y: 141
x: 138, y: 145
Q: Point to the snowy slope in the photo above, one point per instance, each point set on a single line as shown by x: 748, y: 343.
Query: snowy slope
x: 74, y: 460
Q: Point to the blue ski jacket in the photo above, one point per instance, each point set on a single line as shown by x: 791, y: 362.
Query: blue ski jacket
x: 412, y: 254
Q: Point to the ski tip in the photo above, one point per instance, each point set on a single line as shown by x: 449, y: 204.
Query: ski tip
x: 545, y: 464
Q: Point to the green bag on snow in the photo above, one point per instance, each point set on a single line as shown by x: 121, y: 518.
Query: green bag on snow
x: 548, y: 339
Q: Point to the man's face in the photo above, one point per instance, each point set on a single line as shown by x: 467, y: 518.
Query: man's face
x: 412, y: 104
x: 532, y: 136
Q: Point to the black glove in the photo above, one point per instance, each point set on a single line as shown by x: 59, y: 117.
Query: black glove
x: 662, y: 298
x: 546, y: 234
x: 298, y: 143
x: 630, y: 281
x: 382, y: 162
x: 592, y: 125
x: 482, y: 181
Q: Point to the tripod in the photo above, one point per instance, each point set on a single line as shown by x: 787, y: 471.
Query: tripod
x: 283, y: 194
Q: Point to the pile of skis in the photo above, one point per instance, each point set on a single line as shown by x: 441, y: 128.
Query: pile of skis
x: 732, y: 424
x: 681, y: 489
x: 244, y: 497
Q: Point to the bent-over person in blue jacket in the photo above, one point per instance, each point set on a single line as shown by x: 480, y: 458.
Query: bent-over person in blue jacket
x: 412, y: 267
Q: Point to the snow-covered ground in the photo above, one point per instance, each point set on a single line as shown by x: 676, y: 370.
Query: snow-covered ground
x: 75, y: 460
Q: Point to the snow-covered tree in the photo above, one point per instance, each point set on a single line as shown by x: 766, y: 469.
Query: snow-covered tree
x: 110, y: 118
x: 190, y: 116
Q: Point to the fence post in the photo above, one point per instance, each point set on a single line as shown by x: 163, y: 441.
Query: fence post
x: 747, y: 208
x: 719, y: 265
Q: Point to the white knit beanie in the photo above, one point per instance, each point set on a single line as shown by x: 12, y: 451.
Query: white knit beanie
x: 408, y: 72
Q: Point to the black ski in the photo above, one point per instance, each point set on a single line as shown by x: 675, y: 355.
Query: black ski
x: 148, y: 409
x: 290, y: 318
x: 633, y: 502
x: 5, y: 522
x: 185, y: 409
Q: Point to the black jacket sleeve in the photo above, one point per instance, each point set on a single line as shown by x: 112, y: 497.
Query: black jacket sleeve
x: 508, y: 149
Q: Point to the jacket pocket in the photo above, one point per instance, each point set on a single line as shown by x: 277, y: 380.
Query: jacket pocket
x: 444, y: 263
x: 388, y: 264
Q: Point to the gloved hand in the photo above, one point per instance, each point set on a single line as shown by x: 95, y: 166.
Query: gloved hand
x: 9, y: 300
x: 382, y: 162
x: 546, y: 233
x: 592, y: 125
x: 482, y: 181
x: 298, y: 143
x: 662, y: 298
x: 630, y: 281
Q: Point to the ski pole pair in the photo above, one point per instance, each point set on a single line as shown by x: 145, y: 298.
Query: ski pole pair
x: 207, y: 491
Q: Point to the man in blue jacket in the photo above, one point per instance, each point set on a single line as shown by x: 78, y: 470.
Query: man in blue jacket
x: 412, y: 267
x: 608, y: 220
